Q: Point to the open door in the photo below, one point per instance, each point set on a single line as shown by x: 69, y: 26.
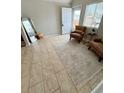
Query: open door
x: 66, y: 20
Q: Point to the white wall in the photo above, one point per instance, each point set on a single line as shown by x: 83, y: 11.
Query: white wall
x: 46, y: 16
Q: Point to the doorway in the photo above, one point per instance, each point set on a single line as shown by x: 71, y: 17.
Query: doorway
x: 66, y: 20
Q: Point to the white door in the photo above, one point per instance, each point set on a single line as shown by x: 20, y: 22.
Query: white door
x: 66, y: 20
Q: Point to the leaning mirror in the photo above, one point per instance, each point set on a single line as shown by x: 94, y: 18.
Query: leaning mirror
x: 29, y: 29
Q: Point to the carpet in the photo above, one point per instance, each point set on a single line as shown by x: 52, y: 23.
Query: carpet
x: 80, y: 63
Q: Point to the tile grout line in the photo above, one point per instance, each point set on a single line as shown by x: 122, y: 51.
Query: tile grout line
x: 45, y: 80
x: 87, y: 81
x: 55, y: 75
x: 42, y: 70
x: 30, y: 70
x: 92, y: 77
x: 66, y: 71
x: 32, y: 63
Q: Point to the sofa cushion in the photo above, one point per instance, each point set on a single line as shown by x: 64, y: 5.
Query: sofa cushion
x: 76, y: 35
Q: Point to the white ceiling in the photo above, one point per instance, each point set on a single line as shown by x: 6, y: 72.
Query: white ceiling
x: 59, y: 1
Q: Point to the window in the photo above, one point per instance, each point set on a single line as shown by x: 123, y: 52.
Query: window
x: 93, y: 15
x: 76, y: 16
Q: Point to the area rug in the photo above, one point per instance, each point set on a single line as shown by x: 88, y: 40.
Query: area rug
x: 80, y: 63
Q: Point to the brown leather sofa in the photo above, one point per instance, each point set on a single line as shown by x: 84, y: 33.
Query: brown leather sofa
x: 78, y: 33
x: 97, y: 46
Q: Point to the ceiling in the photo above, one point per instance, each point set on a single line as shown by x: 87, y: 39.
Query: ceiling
x: 59, y: 1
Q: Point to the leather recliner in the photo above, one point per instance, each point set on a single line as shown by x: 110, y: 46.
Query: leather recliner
x: 78, y: 34
x: 97, y: 46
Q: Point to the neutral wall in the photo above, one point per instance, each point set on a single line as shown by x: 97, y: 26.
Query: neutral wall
x: 46, y: 16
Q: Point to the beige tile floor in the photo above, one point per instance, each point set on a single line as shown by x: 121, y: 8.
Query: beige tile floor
x: 43, y: 71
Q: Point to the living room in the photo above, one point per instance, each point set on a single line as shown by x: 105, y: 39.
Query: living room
x: 63, y: 50
x: 57, y: 18
x: 56, y: 46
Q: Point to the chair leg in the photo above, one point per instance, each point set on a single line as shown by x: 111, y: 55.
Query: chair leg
x: 79, y: 41
x: 70, y: 38
x: 100, y: 59
x: 89, y: 48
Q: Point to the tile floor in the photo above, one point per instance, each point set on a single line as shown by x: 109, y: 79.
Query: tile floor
x: 45, y: 70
